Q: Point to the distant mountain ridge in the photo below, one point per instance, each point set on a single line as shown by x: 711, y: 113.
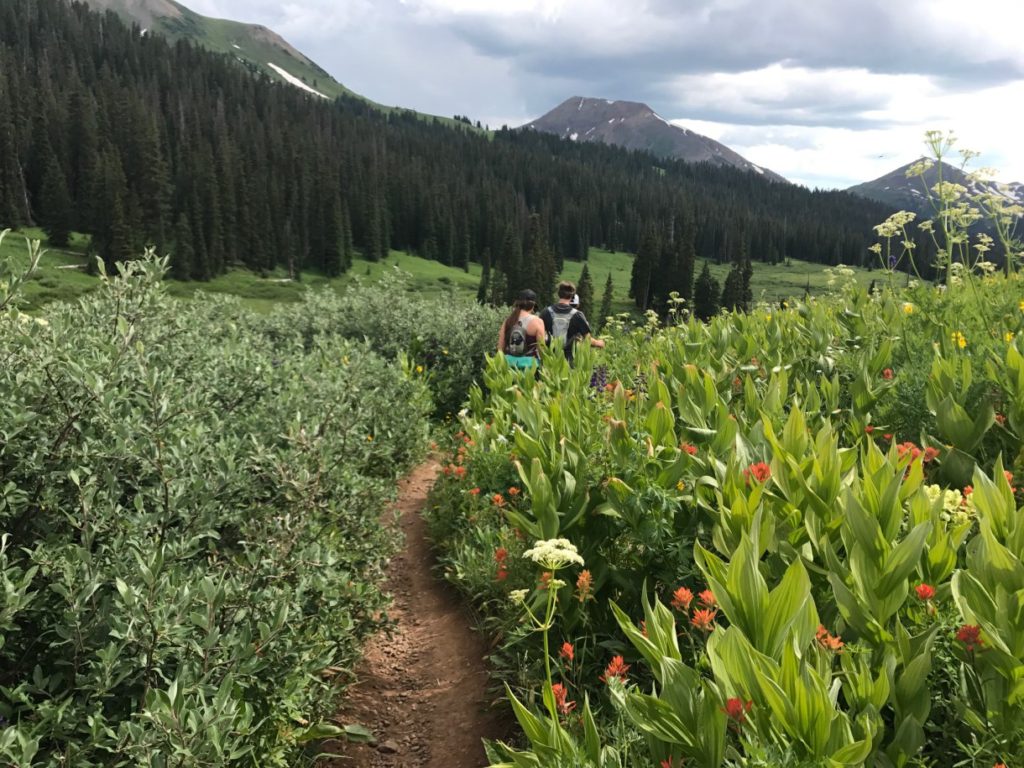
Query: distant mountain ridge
x: 908, y: 194
x: 259, y: 48
x: 634, y: 125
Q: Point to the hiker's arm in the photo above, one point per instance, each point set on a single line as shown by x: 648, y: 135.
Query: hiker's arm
x: 539, y: 329
x: 501, y: 338
x: 585, y: 332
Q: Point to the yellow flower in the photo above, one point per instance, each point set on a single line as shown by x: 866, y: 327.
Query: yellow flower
x: 959, y: 339
x: 344, y: 360
x: 1009, y: 336
x: 369, y: 438
x: 1021, y: 305
x: 419, y: 369
x: 908, y: 308
x: 680, y: 485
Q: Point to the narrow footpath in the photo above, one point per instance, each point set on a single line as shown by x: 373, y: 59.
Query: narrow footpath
x: 422, y: 688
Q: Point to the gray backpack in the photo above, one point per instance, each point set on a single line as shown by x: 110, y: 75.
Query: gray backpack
x: 560, y: 325
x: 517, y: 339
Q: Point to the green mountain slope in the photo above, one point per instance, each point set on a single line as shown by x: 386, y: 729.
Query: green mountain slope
x: 258, y: 48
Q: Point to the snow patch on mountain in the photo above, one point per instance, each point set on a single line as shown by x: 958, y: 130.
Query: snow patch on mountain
x: 290, y: 78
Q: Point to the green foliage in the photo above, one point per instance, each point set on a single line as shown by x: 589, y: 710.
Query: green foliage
x: 191, y: 546
x: 861, y: 564
x: 442, y: 342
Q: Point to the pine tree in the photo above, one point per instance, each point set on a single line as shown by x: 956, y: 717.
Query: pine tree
x: 200, y: 255
x: 373, y: 246
x: 84, y: 147
x: 450, y: 249
x: 705, y: 295
x: 746, y: 291
x: 347, y: 247
x: 113, y: 239
x: 540, y: 266
x: 687, y: 258
x: 510, y: 269
x: 499, y: 289
x: 12, y: 208
x: 736, y: 293
x: 57, y: 203
x: 153, y: 187
x: 464, y: 252
x: 333, y: 257
x: 482, y: 291
x: 644, y: 264
x: 585, y: 290
x: 606, y: 302
x: 732, y: 289
x: 182, y: 255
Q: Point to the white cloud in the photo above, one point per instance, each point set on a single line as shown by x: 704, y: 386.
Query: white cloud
x: 890, y: 133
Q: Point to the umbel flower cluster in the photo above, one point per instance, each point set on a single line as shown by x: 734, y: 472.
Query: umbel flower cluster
x: 554, y: 554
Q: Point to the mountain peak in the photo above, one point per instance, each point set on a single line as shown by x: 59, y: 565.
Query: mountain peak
x: 910, y: 192
x: 634, y: 125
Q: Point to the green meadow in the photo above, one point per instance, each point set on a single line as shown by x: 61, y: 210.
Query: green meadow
x: 63, y: 276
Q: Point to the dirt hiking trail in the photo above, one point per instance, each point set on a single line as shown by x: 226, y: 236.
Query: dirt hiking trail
x: 422, y: 688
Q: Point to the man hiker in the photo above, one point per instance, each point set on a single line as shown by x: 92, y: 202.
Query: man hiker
x: 565, y: 323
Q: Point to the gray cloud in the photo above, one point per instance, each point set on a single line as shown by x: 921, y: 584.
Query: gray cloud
x: 483, y: 64
x: 688, y: 59
x: 687, y: 38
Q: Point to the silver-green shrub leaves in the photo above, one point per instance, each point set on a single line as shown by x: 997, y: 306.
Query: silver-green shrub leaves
x: 190, y: 535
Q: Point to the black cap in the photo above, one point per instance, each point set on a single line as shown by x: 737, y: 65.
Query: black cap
x: 527, y: 295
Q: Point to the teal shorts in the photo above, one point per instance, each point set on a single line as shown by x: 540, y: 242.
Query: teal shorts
x: 522, y: 362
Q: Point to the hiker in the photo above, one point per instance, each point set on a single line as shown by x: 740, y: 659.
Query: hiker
x: 565, y: 322
x: 521, y: 332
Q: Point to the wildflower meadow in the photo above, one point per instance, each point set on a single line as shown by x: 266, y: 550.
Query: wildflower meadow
x: 793, y: 537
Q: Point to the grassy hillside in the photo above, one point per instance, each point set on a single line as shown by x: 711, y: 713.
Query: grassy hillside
x: 62, y: 277
x: 254, y: 46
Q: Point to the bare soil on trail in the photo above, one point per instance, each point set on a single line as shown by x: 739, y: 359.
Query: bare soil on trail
x: 422, y: 687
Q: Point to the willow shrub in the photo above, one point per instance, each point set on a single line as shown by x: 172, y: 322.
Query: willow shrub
x: 442, y: 338
x: 191, y: 545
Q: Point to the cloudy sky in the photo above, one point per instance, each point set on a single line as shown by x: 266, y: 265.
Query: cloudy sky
x: 828, y: 92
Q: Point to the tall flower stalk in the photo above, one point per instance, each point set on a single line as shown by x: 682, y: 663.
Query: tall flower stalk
x: 552, y: 555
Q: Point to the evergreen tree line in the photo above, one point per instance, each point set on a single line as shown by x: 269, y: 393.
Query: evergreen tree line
x: 664, y: 270
x: 136, y: 141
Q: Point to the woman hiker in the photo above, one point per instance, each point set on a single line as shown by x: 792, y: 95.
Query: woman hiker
x: 521, y: 332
